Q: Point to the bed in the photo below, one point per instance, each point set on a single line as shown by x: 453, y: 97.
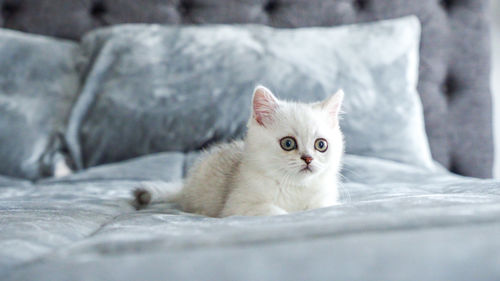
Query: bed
x: 395, y: 221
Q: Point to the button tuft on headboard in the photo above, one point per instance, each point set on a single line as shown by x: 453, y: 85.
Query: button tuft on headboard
x: 271, y: 6
x: 446, y: 4
x: 360, y: 4
x: 98, y: 9
x: 10, y: 8
x: 184, y: 7
x: 449, y: 86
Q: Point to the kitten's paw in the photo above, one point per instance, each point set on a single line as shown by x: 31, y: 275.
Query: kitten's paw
x: 142, y: 197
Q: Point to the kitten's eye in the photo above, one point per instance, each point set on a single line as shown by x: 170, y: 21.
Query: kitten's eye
x: 321, y: 145
x: 288, y: 143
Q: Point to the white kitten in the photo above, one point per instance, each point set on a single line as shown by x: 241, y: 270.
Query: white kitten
x: 288, y: 162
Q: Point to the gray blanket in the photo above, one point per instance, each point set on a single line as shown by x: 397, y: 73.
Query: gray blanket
x: 395, y: 222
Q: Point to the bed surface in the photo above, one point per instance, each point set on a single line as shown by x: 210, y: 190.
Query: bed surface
x: 394, y: 221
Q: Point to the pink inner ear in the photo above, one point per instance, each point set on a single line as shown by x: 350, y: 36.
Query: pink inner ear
x: 334, y: 109
x: 333, y: 103
x: 264, y: 106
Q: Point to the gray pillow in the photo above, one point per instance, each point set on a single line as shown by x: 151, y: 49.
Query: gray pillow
x: 168, y: 88
x: 38, y: 85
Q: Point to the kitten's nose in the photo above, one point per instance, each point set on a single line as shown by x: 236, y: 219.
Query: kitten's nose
x: 308, y: 159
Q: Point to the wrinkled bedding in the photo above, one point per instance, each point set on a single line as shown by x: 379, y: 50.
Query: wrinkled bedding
x: 395, y: 222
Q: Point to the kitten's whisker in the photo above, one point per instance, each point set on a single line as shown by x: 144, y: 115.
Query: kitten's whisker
x: 352, y: 171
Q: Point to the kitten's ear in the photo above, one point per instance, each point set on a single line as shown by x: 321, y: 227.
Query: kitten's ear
x: 333, y: 103
x: 264, y: 105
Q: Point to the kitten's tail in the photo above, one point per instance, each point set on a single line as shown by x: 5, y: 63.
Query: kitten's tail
x: 156, y: 192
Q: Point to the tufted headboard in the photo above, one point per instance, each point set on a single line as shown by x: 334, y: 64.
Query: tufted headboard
x: 454, y: 63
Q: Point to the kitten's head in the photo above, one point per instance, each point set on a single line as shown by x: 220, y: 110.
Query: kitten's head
x: 294, y: 141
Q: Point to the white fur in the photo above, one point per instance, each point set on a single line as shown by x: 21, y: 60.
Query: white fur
x: 256, y: 176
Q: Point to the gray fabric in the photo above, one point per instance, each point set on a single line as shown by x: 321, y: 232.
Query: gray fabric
x: 376, y: 255
x: 158, y: 88
x: 38, y: 83
x: 396, y: 222
x: 8, y: 181
x: 400, y: 223
x: 166, y: 166
x: 455, y: 50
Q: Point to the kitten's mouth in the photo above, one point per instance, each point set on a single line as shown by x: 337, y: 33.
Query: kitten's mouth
x: 306, y: 169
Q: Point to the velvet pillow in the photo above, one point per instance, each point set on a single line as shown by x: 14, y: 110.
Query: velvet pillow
x: 39, y: 82
x: 154, y: 88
